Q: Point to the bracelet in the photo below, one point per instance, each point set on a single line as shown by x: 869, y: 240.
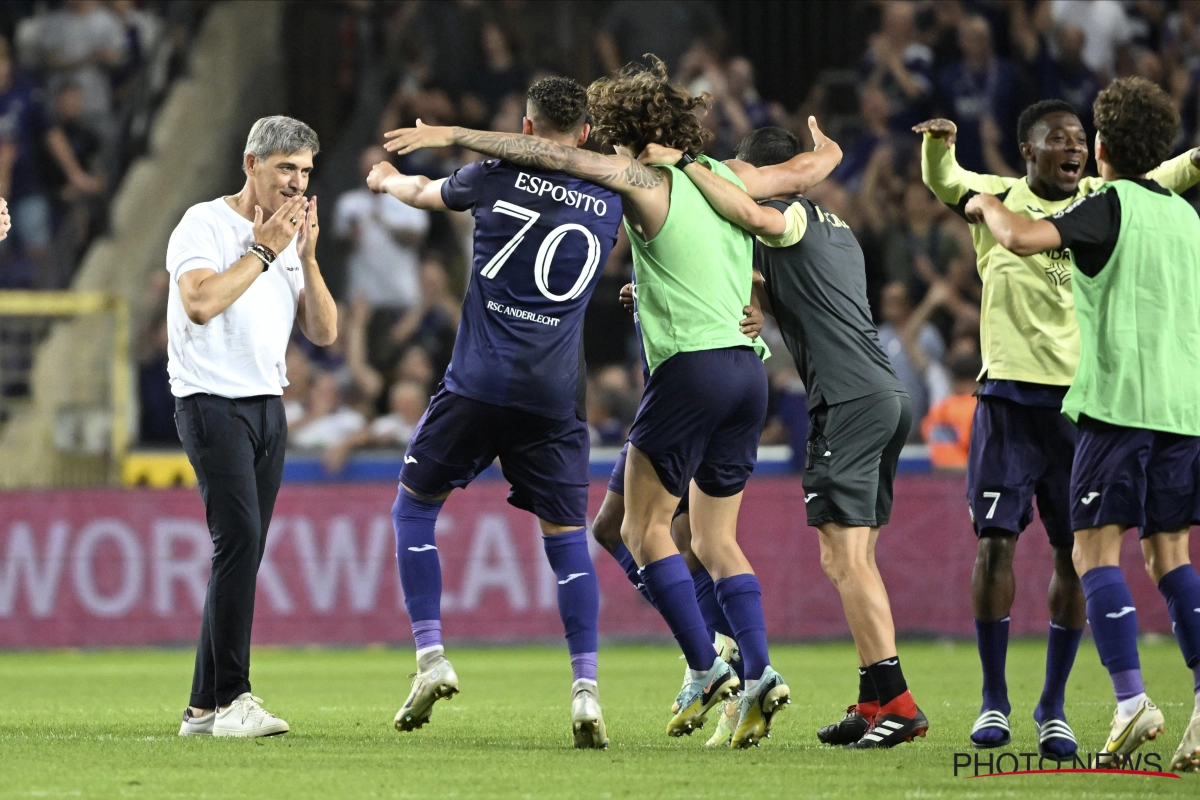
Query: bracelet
x: 254, y: 252
x: 266, y: 251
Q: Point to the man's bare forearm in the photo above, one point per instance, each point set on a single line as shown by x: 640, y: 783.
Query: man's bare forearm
x: 320, y: 310
x: 735, y: 205
x: 796, y: 175
x: 619, y: 173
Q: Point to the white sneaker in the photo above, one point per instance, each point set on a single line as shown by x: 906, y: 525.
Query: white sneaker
x: 1129, y: 734
x: 438, y: 682
x: 587, y: 723
x: 246, y: 718
x: 197, y: 726
x: 1187, y: 756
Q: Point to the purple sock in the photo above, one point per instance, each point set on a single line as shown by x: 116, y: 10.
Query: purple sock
x: 1113, y: 618
x: 583, y: 667
x: 1127, y: 684
x: 1061, y: 647
x: 427, y: 633
x: 710, y: 608
x: 578, y: 591
x: 417, y: 556
x: 625, y: 559
x: 741, y: 599
x: 1181, y: 588
x: 992, y: 640
x: 674, y: 596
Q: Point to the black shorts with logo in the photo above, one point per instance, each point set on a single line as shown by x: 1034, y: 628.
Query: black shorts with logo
x: 853, y: 451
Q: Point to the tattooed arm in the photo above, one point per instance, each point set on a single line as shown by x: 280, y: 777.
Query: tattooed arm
x: 646, y: 190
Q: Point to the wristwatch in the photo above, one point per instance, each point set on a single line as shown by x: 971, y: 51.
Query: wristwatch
x: 684, y: 160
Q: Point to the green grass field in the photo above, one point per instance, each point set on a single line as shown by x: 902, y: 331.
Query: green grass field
x: 103, y: 724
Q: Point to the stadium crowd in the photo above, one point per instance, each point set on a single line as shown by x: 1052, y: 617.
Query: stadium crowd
x: 978, y: 63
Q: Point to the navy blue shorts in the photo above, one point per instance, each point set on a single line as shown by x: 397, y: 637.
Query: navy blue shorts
x: 545, y: 460
x: 616, y: 481
x: 1017, y: 453
x: 1135, y: 477
x: 700, y: 418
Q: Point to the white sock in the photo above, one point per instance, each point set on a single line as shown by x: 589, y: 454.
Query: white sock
x: 1127, y: 708
x: 427, y: 655
x: 697, y: 674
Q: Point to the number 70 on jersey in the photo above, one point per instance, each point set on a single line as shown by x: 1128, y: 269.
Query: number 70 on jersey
x: 545, y: 254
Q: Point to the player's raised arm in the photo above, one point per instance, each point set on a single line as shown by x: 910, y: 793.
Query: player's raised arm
x: 1179, y: 173
x: 725, y: 197
x: 417, y: 191
x: 620, y: 173
x: 941, y: 172
x: 1013, y: 232
x: 797, y: 175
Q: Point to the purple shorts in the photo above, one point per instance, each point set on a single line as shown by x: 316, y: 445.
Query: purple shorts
x: 1020, y: 452
x: 616, y: 481
x: 1135, y: 477
x: 700, y: 418
x: 545, y: 460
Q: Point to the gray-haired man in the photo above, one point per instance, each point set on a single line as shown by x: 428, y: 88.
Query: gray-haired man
x: 243, y: 269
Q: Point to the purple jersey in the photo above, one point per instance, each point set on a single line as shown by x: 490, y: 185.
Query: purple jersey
x: 541, y: 242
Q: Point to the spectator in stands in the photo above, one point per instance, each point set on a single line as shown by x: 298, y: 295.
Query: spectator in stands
x: 668, y: 28
x: 416, y: 367
x: 142, y: 33
x: 407, y: 401
x: 1106, y: 31
x: 947, y: 426
x: 873, y: 109
x: 913, y: 345
x: 78, y: 191
x: 1067, y: 77
x: 979, y: 87
x: 156, y: 406
x: 385, y: 237
x: 299, y: 375
x: 84, y: 43
x: 498, y: 75
x: 432, y: 323
x: 900, y: 65
x: 22, y: 129
x: 919, y: 248
x: 328, y: 420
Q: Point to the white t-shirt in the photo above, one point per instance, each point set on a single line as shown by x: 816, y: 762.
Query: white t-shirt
x: 1105, y: 27
x: 241, y: 351
x: 329, y: 430
x: 382, y: 270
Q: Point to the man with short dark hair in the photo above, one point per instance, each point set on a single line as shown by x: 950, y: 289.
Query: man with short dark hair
x: 1135, y: 255
x: 1021, y: 446
x: 243, y: 270
x: 514, y: 388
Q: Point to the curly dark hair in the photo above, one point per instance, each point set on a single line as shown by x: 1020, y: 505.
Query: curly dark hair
x: 1138, y: 124
x: 1037, y: 112
x: 560, y: 103
x: 639, y: 105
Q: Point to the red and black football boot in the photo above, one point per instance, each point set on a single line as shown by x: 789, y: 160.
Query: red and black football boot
x: 851, y: 727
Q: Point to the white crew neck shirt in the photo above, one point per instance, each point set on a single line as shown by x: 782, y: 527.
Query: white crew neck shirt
x: 241, y: 351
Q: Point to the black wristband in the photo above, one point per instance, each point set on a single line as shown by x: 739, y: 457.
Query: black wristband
x: 684, y: 160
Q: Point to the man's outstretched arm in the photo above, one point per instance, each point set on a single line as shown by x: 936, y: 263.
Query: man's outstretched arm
x: 797, y: 175
x: 726, y: 198
x: 621, y: 174
x: 1013, y: 232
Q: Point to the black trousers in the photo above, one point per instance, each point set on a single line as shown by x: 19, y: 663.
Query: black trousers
x: 236, y: 448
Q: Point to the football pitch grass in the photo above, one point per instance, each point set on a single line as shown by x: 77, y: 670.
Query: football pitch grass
x: 104, y: 723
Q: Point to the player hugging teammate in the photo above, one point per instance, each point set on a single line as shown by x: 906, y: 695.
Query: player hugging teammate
x: 1135, y: 255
